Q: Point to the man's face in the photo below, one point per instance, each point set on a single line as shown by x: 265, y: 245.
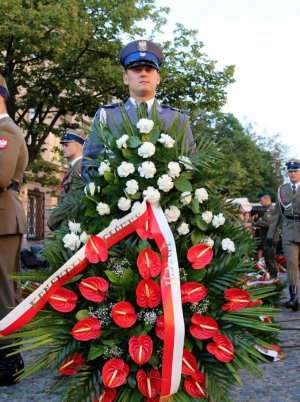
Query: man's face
x: 265, y: 200
x: 70, y: 150
x: 294, y: 176
x: 142, y: 82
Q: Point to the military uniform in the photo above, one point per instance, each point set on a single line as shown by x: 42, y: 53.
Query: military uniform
x: 68, y: 184
x: 288, y: 208
x: 134, y: 54
x: 262, y: 226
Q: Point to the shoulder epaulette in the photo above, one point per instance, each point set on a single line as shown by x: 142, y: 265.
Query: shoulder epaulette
x: 174, y: 109
x: 111, y: 106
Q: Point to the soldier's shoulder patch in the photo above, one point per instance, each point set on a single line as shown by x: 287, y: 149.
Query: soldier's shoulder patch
x: 173, y: 108
x: 111, y: 106
x: 3, y: 143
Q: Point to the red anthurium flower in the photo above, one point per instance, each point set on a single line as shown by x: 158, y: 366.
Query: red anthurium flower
x: 86, y: 329
x: 96, y: 250
x: 200, y: 255
x: 192, y: 292
x: 144, y: 232
x: 93, y: 288
x: 140, y: 348
x: 265, y: 318
x: 255, y: 303
x: 195, y: 386
x: 107, y: 395
x: 114, y: 373
x: 123, y: 314
x: 203, y: 327
x: 189, y: 363
x: 149, y: 385
x: 222, y: 348
x: 63, y: 300
x: 72, y: 364
x: 149, y: 263
x: 160, y: 327
x: 239, y: 299
x: 148, y: 293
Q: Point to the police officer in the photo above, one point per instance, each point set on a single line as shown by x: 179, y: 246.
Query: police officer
x: 13, y: 162
x: 72, y: 144
x: 288, y: 207
x: 141, y: 60
x: 261, y: 226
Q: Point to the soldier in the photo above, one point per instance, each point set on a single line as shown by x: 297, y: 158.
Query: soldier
x: 261, y: 225
x: 13, y: 162
x: 72, y: 144
x: 141, y: 60
x: 288, y: 207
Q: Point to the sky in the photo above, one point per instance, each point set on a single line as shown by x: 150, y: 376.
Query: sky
x: 262, y: 39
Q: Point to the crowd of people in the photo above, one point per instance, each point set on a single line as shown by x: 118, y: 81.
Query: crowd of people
x: 141, y: 60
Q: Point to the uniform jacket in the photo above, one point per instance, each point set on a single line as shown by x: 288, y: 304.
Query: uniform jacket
x: 13, y: 162
x: 113, y: 113
x: 290, y: 207
x: 263, y: 223
x: 58, y: 215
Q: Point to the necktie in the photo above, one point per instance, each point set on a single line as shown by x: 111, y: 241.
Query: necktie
x: 64, y: 178
x: 294, y: 188
x: 144, y: 107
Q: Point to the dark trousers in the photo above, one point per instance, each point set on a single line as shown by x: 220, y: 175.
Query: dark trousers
x: 270, y: 258
x: 10, y: 294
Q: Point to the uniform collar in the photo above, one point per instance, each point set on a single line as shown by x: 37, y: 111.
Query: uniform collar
x: 3, y: 115
x: 75, y: 160
x: 149, y: 102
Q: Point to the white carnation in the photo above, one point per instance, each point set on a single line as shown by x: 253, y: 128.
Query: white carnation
x: 228, y: 245
x: 151, y: 194
x: 132, y: 187
x: 183, y: 229
x: 145, y: 125
x: 84, y: 237
x: 174, y: 169
x: 74, y: 227
x: 165, y: 183
x: 135, y: 205
x: 103, y: 209
x: 186, y: 162
x: 147, y: 170
x: 218, y: 220
x: 186, y: 197
x: 90, y: 188
x: 71, y: 241
x: 122, y: 141
x: 146, y: 150
x: 104, y: 167
x: 209, y: 241
x: 125, y: 169
x: 124, y: 204
x: 166, y: 141
x: 172, y: 214
x: 201, y: 195
x: 207, y: 216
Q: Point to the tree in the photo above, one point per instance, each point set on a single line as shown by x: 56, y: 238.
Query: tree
x: 59, y: 59
x: 251, y: 163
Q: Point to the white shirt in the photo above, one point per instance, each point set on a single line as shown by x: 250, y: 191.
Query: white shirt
x: 296, y: 184
x: 75, y: 160
x: 3, y: 115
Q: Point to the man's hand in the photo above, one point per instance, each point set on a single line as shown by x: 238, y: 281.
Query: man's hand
x: 269, y: 242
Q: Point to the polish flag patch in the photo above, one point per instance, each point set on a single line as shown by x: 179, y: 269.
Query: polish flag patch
x: 3, y: 143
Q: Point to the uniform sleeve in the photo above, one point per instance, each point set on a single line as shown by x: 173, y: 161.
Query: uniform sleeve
x: 9, y: 154
x: 91, y: 150
x: 275, y: 220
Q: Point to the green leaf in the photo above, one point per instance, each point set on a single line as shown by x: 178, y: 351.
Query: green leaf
x: 126, y: 278
x: 201, y: 224
x: 113, y: 278
x: 196, y: 275
x: 109, y: 177
x: 82, y: 314
x: 95, y: 351
x: 131, y: 381
x: 127, y: 153
x: 182, y: 184
x: 134, y: 142
x: 197, y: 236
x: 195, y: 206
x: 136, y: 196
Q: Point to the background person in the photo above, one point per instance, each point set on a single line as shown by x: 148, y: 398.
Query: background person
x: 141, y: 60
x: 261, y: 226
x: 13, y: 162
x: 288, y: 208
x: 72, y: 144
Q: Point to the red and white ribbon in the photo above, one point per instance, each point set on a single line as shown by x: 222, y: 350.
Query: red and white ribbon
x: 170, y: 288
